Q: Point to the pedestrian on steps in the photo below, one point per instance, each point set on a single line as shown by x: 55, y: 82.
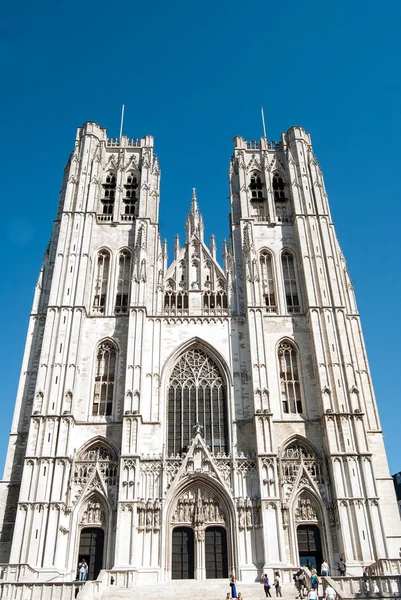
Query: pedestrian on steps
x: 266, y: 586
x: 277, y: 584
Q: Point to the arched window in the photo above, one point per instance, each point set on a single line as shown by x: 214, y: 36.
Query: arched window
x: 256, y: 186
x: 109, y: 192
x: 267, y: 278
x: 123, y: 282
x: 130, y: 197
x: 101, y: 281
x: 280, y: 200
x: 98, y: 455
x: 104, y: 379
x: 289, y: 378
x: 196, y: 397
x: 290, y: 283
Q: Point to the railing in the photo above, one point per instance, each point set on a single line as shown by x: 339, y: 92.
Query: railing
x: 385, y: 566
x: 379, y: 586
x: 173, y: 311
x: 40, y: 590
x: 215, y: 311
x: 115, y: 142
x: 252, y: 145
x: 104, y: 218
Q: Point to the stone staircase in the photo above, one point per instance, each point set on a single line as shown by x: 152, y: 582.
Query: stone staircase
x: 209, y: 589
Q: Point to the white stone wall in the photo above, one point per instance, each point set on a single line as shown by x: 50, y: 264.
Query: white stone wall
x: 340, y: 474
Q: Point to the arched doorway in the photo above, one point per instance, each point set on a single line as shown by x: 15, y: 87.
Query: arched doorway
x: 91, y: 546
x: 182, y: 553
x: 309, y: 546
x: 216, y: 553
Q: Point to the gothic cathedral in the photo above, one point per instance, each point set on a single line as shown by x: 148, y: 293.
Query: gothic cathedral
x: 188, y: 420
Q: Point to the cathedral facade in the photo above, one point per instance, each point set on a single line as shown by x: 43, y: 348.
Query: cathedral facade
x: 190, y: 419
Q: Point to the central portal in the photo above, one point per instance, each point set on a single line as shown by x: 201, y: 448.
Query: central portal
x: 182, y: 556
x: 216, y: 553
x: 91, y: 549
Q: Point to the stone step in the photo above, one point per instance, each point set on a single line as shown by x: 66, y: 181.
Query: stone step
x: 211, y: 589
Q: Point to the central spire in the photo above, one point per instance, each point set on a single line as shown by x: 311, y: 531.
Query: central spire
x: 194, y: 220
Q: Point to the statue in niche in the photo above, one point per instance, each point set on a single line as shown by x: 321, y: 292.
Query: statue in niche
x: 157, y: 509
x: 241, y: 513
x: 149, y: 514
x: 248, y: 513
x: 141, y: 514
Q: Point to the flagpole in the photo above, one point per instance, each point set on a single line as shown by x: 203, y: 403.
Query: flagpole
x: 263, y: 122
x: 122, y: 121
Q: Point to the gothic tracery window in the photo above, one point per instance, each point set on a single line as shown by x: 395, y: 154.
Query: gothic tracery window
x: 290, y: 282
x: 267, y: 278
x: 109, y: 192
x: 123, y: 282
x: 101, y: 281
x: 106, y: 359
x: 256, y: 186
x: 289, y: 378
x: 196, y: 396
x: 97, y: 454
x: 280, y: 200
x: 130, y: 196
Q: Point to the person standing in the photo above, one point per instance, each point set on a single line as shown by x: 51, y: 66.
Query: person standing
x: 324, y: 569
x: 266, y: 586
x: 83, y: 570
x: 342, y: 567
x: 233, y: 586
x: 277, y: 584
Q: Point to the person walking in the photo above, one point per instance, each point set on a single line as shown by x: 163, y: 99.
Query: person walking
x: 233, y: 586
x: 83, y: 570
x: 314, y: 579
x: 266, y: 586
x: 277, y: 584
x: 324, y: 569
x: 342, y: 567
x: 329, y: 593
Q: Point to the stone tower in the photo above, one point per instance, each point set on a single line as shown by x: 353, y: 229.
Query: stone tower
x: 220, y: 413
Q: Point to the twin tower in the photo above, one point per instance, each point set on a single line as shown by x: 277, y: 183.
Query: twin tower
x: 192, y: 419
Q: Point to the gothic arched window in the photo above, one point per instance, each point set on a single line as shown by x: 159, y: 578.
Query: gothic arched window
x: 123, y: 282
x: 101, y: 281
x: 290, y: 282
x: 289, y: 378
x: 109, y: 192
x: 281, y: 202
x: 267, y: 278
x: 197, y: 397
x: 130, y: 196
x: 105, y: 372
x: 256, y: 186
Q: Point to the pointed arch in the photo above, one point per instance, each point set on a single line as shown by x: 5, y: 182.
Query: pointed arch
x: 101, y: 445
x: 288, y: 263
x: 104, y: 378
x: 289, y: 376
x: 101, y: 280
x: 196, y: 380
x: 108, y: 194
x: 267, y: 278
x: 124, y: 274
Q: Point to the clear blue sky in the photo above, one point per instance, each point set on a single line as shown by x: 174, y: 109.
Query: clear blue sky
x: 194, y: 75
